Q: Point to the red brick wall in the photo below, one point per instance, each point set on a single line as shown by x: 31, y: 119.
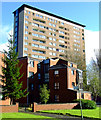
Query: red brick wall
x: 5, y: 102
x: 38, y: 107
x: 65, y: 95
x: 9, y: 108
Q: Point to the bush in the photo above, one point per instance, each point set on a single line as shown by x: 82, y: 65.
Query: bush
x: 86, y: 104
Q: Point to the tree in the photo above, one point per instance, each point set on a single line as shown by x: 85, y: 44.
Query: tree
x: 79, y: 59
x: 11, y: 74
x: 93, y: 78
x: 44, y: 93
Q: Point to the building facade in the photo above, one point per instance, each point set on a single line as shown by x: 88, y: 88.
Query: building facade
x: 41, y: 35
x: 62, y: 78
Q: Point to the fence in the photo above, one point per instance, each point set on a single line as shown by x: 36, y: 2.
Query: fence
x: 9, y: 108
x: 38, y: 107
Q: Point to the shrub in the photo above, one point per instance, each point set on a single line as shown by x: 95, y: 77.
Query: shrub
x: 86, y: 104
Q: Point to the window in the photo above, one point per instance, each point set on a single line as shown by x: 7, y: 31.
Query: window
x: 29, y: 12
x: 71, y: 64
x: 46, y: 77
x: 56, y: 72
x: 31, y: 63
x: 57, y: 98
x: 50, y: 53
x: 25, y: 43
x: 35, y: 56
x: 39, y: 76
x: 61, y: 41
x: 26, y: 49
x: 56, y: 86
x: 26, y: 32
x: 72, y: 72
x: 61, y: 36
x: 37, y: 25
x: 32, y: 86
x: 25, y: 54
x: 82, y: 95
x: 73, y: 84
x: 31, y: 74
x: 26, y: 27
x: 26, y: 22
x: 26, y: 17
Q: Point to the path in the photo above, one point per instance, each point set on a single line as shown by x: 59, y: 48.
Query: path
x: 56, y: 116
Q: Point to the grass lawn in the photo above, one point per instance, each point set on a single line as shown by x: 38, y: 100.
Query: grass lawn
x: 92, y: 113
x: 21, y: 115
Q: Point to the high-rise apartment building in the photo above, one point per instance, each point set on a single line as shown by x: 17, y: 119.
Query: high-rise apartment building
x: 41, y: 35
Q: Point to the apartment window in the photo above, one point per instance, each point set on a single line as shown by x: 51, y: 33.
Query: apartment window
x: 31, y: 63
x: 46, y: 77
x: 26, y: 22
x: 83, y: 50
x: 29, y: 12
x: 25, y: 49
x: 39, y: 76
x: 54, y: 54
x: 57, y: 98
x: 62, y: 23
x: 54, y: 49
x: 50, y: 53
x: 41, y: 46
x: 25, y: 54
x: 35, y: 56
x: 73, y: 84
x: 37, y: 25
x: 61, y: 51
x: 54, y: 44
x: 50, y: 38
x: 56, y: 72
x: 25, y: 43
x: 61, y: 41
x: 61, y: 36
x: 32, y: 86
x: 50, y: 43
x: 54, y: 39
x: 50, y: 24
x: 82, y: 38
x: 82, y: 95
x: 31, y: 74
x: 26, y: 32
x: 72, y: 72
x: 26, y: 17
x: 54, y: 25
x: 42, y: 57
x: 61, y: 32
x: 26, y: 27
x: 56, y: 85
x: 35, y: 45
x: 41, y: 26
x: 36, y: 35
x: 50, y: 29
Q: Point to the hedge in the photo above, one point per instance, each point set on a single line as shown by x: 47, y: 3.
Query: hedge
x: 86, y: 104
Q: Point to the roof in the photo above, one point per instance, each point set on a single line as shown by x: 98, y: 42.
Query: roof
x: 51, y: 14
x: 58, y: 66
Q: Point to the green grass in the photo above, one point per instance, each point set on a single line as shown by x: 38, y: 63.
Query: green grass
x: 92, y: 113
x: 21, y: 115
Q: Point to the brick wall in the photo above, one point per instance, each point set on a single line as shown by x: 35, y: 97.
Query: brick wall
x: 5, y: 102
x: 38, y: 107
x: 9, y: 108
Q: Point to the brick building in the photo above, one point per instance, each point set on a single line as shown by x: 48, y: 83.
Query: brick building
x: 41, y: 34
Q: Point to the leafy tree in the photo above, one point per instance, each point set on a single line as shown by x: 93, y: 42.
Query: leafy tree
x: 11, y: 74
x: 79, y: 59
x: 44, y: 93
x: 93, y: 78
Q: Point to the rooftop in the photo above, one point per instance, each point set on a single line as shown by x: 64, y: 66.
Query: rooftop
x: 51, y: 14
